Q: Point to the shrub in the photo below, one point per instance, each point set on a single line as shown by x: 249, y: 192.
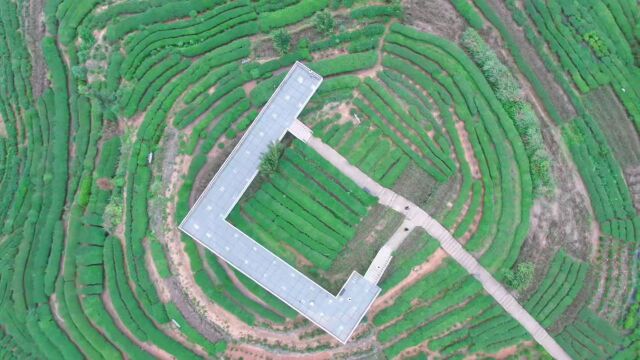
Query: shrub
x: 289, y: 15
x: 270, y: 160
x: 165, y: 12
x: 521, y: 278
x: 281, y: 41
x: 345, y: 63
x: 323, y: 22
x: 375, y: 11
x: 469, y: 13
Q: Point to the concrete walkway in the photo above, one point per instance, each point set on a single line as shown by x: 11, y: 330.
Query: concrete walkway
x: 419, y: 217
x: 385, y: 254
x: 400, y: 235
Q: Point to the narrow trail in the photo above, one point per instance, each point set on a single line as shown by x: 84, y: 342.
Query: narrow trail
x: 436, y: 230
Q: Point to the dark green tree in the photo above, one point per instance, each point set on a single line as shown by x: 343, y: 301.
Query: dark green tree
x: 520, y: 278
x: 270, y: 159
x: 281, y: 40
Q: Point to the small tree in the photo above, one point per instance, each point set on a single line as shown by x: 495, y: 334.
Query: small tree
x: 281, y: 41
x: 324, y: 22
x: 521, y: 278
x: 270, y: 159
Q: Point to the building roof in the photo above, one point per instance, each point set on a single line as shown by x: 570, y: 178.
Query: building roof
x: 206, y: 223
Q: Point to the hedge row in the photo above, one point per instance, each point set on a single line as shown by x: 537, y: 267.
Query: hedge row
x: 393, y: 113
x: 469, y: 13
x: 290, y: 15
x: 187, y: 33
x: 370, y: 113
x: 376, y: 11
x: 301, y: 200
x: 128, y: 307
x: 209, y: 82
x: 268, y: 221
x: 367, y: 32
x: 439, y: 325
x: 356, y: 144
x: 591, y: 337
x: 609, y: 194
x: 558, y: 289
x: 326, y: 181
x: 398, y: 271
x: 448, y: 276
x: 212, y: 348
x: 151, y: 15
x: 233, y: 293
x: 510, y: 95
x: 452, y: 59
x: 416, y: 317
x: 345, y: 63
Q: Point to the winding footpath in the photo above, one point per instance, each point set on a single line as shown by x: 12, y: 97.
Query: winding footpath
x: 420, y: 218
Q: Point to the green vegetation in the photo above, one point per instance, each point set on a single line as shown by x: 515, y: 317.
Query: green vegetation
x: 270, y: 159
x: 281, y: 41
x: 559, y: 288
x: 509, y: 94
x: 304, y: 203
x: 114, y: 116
x: 324, y: 22
x: 520, y: 278
x: 590, y: 336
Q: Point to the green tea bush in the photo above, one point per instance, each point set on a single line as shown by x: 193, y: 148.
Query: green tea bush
x: 345, y: 63
x: 469, y: 13
x: 151, y: 15
x: 375, y: 11
x: 289, y: 15
x: 368, y: 31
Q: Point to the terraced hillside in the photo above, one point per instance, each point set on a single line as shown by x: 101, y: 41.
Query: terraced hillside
x: 514, y: 124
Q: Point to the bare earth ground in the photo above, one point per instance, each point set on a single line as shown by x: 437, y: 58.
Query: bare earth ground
x: 437, y: 17
x: 34, y: 34
x: 632, y: 174
x: 468, y: 150
x: 372, y: 233
x: 616, y: 125
x: 3, y: 129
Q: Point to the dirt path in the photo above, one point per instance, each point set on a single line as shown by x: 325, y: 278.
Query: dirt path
x: 468, y: 150
x: 35, y: 31
x: 151, y: 348
x: 53, y: 304
x: 249, y: 351
x: 3, y: 129
x: 417, y: 273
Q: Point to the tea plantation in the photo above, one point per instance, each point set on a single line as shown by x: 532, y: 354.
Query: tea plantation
x: 514, y: 124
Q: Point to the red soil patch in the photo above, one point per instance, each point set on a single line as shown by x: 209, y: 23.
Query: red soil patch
x: 104, y: 184
x: 247, y: 87
x: 416, y: 274
x: 468, y: 150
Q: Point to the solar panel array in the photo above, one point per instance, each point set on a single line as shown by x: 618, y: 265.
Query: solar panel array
x: 338, y: 315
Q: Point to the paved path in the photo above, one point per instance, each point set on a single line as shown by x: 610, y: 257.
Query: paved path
x: 385, y: 254
x: 401, y: 234
x: 419, y: 217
